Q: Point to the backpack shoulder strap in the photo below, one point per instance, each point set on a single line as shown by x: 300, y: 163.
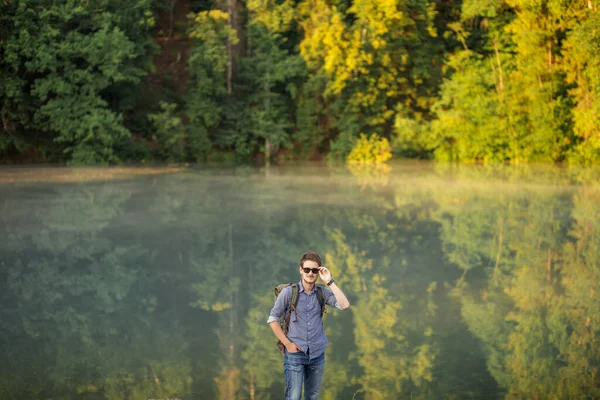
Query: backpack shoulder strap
x: 321, y: 298
x: 279, y: 288
x: 294, y: 301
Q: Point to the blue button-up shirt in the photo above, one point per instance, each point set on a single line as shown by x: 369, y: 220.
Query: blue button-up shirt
x: 307, y: 329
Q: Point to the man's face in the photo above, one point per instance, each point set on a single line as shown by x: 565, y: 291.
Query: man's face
x: 310, y: 276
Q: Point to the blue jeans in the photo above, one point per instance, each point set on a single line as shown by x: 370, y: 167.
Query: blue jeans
x: 299, y: 367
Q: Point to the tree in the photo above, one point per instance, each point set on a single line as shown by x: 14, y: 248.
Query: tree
x: 582, y: 68
x: 68, y: 57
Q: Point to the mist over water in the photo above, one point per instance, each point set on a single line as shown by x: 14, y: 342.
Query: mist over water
x: 464, y: 281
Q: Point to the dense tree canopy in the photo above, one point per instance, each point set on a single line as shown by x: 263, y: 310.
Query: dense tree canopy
x: 103, y: 81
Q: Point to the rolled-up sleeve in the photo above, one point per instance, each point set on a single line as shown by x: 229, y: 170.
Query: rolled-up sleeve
x: 285, y: 296
x: 330, y: 299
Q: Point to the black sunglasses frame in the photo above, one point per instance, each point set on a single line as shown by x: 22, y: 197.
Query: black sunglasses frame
x: 314, y: 270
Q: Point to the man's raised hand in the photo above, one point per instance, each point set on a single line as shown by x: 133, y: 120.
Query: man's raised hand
x: 324, y: 274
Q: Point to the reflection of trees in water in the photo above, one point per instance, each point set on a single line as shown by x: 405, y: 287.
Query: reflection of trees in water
x: 136, y: 273
x: 390, y: 262
x: 80, y: 308
x: 171, y: 300
x: 554, y: 346
x: 579, y: 305
x: 371, y: 175
x: 535, y: 314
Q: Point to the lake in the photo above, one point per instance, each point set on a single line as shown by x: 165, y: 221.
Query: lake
x: 465, y: 281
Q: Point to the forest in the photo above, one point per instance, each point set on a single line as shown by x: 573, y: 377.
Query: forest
x: 250, y: 81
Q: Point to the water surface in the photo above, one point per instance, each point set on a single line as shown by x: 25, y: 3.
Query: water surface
x: 466, y: 282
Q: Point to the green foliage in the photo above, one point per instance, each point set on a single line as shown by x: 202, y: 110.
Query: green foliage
x: 513, y: 96
x: 342, y: 145
x: 582, y: 68
x: 170, y: 133
x: 412, y: 138
x: 311, y: 109
x: 207, y: 64
x: 69, y: 54
x: 477, y: 81
x: 206, y: 101
x: 472, y: 121
x: 270, y: 74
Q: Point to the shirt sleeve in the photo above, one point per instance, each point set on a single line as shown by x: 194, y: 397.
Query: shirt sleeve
x: 330, y: 299
x: 284, y: 298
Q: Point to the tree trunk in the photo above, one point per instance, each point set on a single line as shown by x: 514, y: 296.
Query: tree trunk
x: 267, y: 152
x: 231, y: 296
x: 267, y: 105
x: 171, y: 18
x: 549, y: 45
x: 499, y: 252
x: 549, y: 265
x: 500, y: 74
x: 236, y: 24
x: 230, y: 21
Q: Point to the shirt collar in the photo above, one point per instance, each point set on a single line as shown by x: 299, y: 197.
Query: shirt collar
x: 301, y: 288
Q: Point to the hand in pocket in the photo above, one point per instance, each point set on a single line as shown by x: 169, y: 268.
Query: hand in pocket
x: 292, y: 347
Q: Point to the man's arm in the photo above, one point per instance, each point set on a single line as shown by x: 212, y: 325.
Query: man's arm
x: 273, y: 321
x: 340, y: 297
x: 289, y: 345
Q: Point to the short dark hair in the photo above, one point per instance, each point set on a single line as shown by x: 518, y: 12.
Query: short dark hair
x: 310, y: 256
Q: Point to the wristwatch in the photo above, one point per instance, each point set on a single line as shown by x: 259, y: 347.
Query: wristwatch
x: 330, y: 282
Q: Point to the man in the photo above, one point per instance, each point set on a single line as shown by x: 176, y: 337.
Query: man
x: 305, y: 343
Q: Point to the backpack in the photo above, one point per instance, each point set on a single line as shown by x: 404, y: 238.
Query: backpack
x: 284, y: 320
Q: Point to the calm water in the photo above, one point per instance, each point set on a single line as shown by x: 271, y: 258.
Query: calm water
x: 465, y: 282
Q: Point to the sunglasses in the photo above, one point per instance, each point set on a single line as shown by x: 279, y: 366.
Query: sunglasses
x: 314, y: 270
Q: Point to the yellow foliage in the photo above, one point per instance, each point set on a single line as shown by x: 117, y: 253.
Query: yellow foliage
x: 214, y: 306
x: 210, y: 23
x: 372, y: 150
x: 275, y: 15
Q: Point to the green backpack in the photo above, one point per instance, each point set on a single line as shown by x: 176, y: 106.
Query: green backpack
x: 284, y: 320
